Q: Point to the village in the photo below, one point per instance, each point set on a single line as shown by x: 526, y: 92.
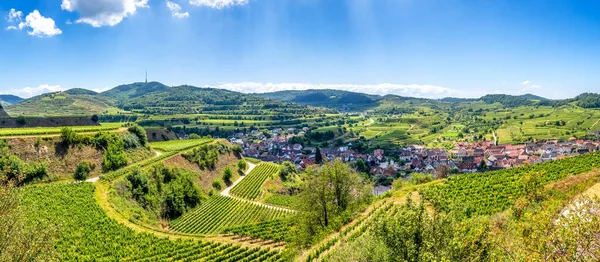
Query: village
x: 465, y: 157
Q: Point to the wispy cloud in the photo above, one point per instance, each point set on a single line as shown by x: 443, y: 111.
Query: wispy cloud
x: 528, y: 86
x: 218, y: 4
x: 429, y: 91
x: 176, y: 10
x: 28, y: 92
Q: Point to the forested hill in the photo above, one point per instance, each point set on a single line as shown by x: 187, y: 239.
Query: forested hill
x: 324, y: 97
x: 10, y: 99
x: 156, y: 98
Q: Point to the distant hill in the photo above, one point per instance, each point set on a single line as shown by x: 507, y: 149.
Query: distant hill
x: 10, y: 99
x: 324, y: 97
x: 533, y: 97
x: 156, y: 98
x: 70, y: 102
x: 458, y: 100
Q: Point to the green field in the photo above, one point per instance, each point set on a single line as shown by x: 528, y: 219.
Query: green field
x: 249, y: 188
x: 177, y: 145
x: 56, y: 130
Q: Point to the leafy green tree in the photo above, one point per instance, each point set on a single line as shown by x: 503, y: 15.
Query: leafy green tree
x: 21, y: 120
x: 83, y: 170
x: 114, y: 157
x: 227, y: 175
x: 140, y: 132
x: 242, y: 165
x: 330, y: 196
x: 286, y: 169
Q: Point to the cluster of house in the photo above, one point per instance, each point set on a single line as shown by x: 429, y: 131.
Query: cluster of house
x: 481, y: 156
x: 463, y: 158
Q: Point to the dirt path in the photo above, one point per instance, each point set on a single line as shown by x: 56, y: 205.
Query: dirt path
x: 225, y: 192
x: 96, y: 179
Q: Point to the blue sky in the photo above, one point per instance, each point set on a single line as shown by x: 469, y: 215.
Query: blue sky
x: 408, y: 47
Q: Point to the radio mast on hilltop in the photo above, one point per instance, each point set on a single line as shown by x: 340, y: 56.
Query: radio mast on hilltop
x: 146, y: 76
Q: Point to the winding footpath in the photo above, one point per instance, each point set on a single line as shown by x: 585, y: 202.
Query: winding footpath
x: 226, y: 193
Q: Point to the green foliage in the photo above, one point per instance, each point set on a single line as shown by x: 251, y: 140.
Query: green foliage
x: 83, y: 170
x: 412, y: 234
x: 331, y: 195
x: 318, y: 156
x: 21, y: 120
x: 250, y: 186
x: 227, y: 175
x: 85, y: 226
x: 219, y: 212
x: 420, y: 178
x: 242, y: 165
x: 277, y: 230
x: 237, y: 149
x: 195, y: 136
x: 15, y: 171
x: 178, y: 145
x: 114, y: 157
x: 495, y: 191
x: 206, y: 156
x: 169, y: 192
x: 140, y: 132
x: 217, y: 185
x: 286, y: 169
x: 131, y: 141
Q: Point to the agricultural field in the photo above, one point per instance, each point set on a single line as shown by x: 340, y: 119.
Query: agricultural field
x: 56, y: 130
x: 178, y: 145
x: 491, y: 192
x: 276, y: 230
x: 220, y: 212
x: 249, y: 187
x: 84, y: 228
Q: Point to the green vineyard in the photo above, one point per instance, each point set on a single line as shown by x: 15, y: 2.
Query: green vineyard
x: 221, y: 212
x: 491, y: 192
x: 249, y: 187
x: 276, y: 230
x: 87, y: 234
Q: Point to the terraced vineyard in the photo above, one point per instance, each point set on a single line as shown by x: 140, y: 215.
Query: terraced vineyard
x: 87, y: 234
x: 221, y: 212
x: 177, y: 145
x: 30, y: 131
x: 491, y: 192
x: 249, y: 188
x: 276, y: 230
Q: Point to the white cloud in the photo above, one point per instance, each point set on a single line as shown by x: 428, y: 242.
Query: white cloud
x: 98, y: 13
x: 528, y: 86
x: 40, y: 26
x: 28, y: 92
x: 429, y: 91
x: 218, y: 4
x: 176, y: 10
x: 14, y: 16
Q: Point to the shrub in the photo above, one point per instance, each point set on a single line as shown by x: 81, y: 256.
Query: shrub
x: 237, y: 149
x: 217, y: 185
x: 21, y: 120
x: 140, y: 132
x: 195, y: 136
x: 227, y: 175
x: 242, y: 165
x: 114, y: 157
x: 95, y: 118
x: 83, y: 170
x: 131, y: 141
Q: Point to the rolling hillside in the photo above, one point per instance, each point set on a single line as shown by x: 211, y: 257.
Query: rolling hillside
x: 10, y: 99
x: 70, y: 102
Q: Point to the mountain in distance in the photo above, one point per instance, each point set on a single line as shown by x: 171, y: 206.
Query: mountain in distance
x: 533, y: 97
x: 75, y: 101
x: 10, y: 99
x: 324, y: 98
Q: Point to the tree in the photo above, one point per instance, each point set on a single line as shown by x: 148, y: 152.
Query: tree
x: 442, y: 171
x: 329, y: 197
x: 242, y: 165
x: 318, y: 156
x: 95, y: 118
x: 227, y: 175
x: 237, y: 149
x: 83, y: 170
x: 286, y: 169
x: 21, y: 120
x: 140, y: 132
